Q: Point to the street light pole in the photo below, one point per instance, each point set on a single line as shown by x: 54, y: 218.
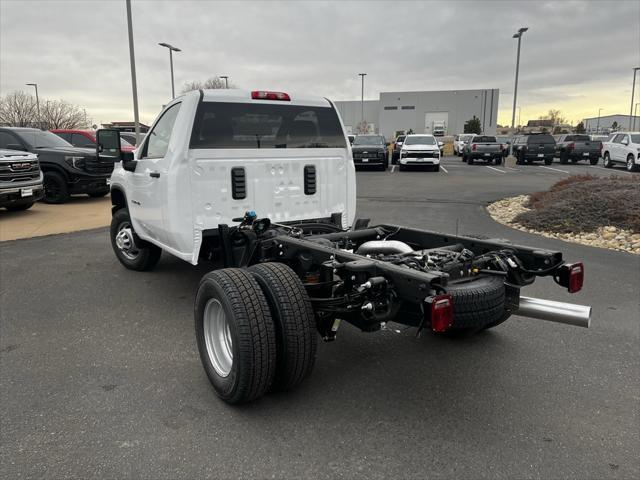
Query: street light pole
x: 635, y: 115
x: 226, y: 81
x: 519, y: 117
x: 598, y: 124
x: 171, y: 50
x: 515, y: 90
x: 362, y: 100
x: 134, y: 85
x: 633, y: 91
x: 37, y: 101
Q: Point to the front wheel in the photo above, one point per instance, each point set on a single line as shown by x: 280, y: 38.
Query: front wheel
x: 55, y: 188
x: 607, y: 160
x: 235, y: 335
x: 631, y: 164
x: 133, y: 252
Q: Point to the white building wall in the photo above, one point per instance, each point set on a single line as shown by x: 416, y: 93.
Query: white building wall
x: 606, y: 122
x: 408, y: 110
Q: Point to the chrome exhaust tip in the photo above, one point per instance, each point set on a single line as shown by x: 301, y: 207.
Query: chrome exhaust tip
x: 552, y: 311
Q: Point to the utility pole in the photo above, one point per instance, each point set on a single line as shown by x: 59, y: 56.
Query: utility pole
x: 226, y: 81
x: 515, y: 90
x: 37, y: 103
x: 134, y: 86
x: 633, y: 91
x: 598, y: 124
x: 362, y: 100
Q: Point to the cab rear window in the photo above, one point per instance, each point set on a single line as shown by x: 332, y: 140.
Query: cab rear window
x: 247, y: 125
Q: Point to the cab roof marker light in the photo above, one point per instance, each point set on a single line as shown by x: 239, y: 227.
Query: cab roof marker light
x: 266, y: 95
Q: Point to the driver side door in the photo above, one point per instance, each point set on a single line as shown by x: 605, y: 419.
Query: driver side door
x: 148, y: 183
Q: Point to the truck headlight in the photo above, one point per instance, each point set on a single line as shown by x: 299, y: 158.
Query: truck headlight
x: 403, y: 154
x: 75, y: 162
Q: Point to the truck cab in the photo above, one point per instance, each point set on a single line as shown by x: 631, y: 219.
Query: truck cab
x: 212, y: 155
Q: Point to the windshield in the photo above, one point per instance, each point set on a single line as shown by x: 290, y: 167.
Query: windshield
x: 420, y: 140
x: 369, y: 140
x: 635, y: 138
x: 484, y: 139
x: 577, y: 138
x: 40, y: 139
x: 541, y: 139
x: 255, y: 125
x: 400, y: 139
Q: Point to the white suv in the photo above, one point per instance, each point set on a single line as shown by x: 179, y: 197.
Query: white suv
x: 420, y: 150
x: 623, y: 148
x: 460, y: 141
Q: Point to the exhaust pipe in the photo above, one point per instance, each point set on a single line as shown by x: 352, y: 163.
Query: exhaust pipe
x: 559, y: 312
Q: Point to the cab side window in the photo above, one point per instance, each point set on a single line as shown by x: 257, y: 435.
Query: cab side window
x: 158, y: 138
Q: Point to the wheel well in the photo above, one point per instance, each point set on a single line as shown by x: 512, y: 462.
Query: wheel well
x: 51, y: 168
x: 118, y: 200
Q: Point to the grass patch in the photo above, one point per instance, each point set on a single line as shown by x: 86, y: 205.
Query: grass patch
x: 584, y: 203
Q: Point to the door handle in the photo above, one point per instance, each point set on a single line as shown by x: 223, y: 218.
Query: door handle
x: 154, y: 174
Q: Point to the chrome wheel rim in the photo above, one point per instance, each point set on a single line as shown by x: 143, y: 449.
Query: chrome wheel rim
x: 217, y: 337
x: 125, y: 241
x: 629, y: 164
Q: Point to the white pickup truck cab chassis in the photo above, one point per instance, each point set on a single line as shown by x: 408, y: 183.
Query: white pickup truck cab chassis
x: 212, y: 159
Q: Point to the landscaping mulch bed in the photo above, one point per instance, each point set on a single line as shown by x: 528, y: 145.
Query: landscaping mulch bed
x: 596, y: 211
x: 584, y: 203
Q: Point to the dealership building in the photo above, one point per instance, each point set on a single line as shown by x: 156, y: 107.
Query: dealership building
x: 418, y: 111
x: 607, y: 123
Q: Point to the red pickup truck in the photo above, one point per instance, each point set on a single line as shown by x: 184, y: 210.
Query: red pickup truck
x: 87, y: 139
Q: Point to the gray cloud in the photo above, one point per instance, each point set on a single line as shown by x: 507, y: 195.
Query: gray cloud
x: 77, y: 50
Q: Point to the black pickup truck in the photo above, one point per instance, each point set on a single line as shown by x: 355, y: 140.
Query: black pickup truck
x: 534, y: 147
x: 67, y: 170
x: 370, y: 150
x: 577, y: 147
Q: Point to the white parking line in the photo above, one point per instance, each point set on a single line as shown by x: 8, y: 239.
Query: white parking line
x: 445, y: 170
x: 393, y: 169
x: 554, y: 169
x: 611, y: 170
x: 514, y: 169
x: 496, y: 169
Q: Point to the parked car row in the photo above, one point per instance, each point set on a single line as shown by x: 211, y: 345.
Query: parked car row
x: 66, y: 170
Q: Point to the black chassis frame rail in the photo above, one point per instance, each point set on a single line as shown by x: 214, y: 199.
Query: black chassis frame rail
x: 410, y: 285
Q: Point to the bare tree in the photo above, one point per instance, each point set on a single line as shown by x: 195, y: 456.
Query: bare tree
x: 213, y: 83
x: 18, y: 109
x: 60, y: 114
x: 555, y: 116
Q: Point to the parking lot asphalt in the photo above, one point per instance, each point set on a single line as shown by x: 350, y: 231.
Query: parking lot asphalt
x: 100, y: 375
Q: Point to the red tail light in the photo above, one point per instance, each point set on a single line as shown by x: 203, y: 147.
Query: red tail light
x: 473, y: 147
x: 441, y: 312
x: 264, y: 95
x: 571, y: 275
x: 576, y: 277
x: 571, y: 146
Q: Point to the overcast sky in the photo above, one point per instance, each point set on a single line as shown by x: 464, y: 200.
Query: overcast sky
x: 577, y: 55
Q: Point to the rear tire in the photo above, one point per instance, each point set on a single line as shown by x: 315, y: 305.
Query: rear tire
x: 55, y: 188
x: 593, y: 161
x: 606, y: 162
x: 470, y: 161
x: 548, y: 161
x: 133, y: 252
x: 564, y: 159
x: 631, y: 165
x: 294, y: 322
x: 235, y: 335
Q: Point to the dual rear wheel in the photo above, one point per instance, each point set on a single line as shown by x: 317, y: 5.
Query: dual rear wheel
x: 255, y: 330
